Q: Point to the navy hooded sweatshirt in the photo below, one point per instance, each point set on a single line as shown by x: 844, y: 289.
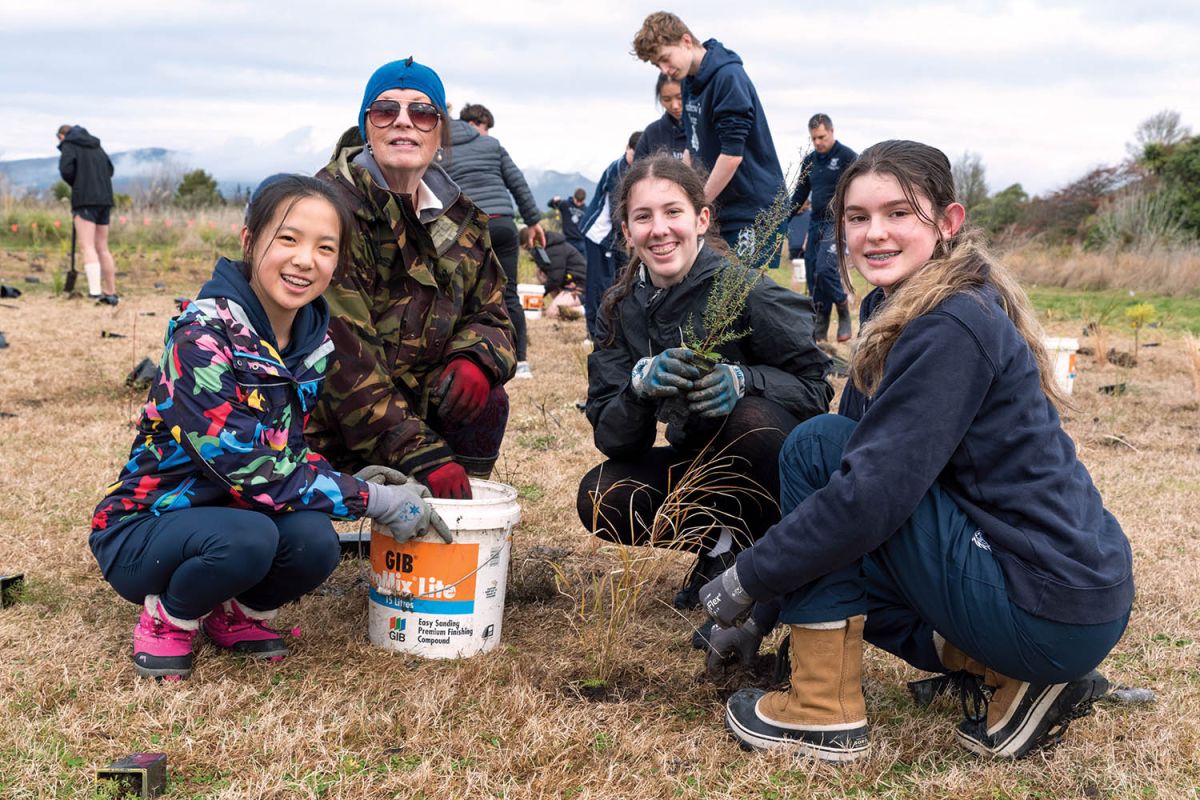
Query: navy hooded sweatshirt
x: 819, y: 173
x: 666, y: 134
x: 86, y: 167
x: 308, y: 329
x: 722, y: 116
x: 960, y: 404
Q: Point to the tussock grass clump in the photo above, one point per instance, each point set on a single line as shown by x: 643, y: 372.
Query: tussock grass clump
x: 1169, y: 270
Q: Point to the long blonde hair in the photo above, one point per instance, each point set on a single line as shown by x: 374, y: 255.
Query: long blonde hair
x: 959, y: 263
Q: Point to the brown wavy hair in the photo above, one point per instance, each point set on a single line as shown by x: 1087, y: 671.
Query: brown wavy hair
x: 960, y: 263
x: 687, y: 178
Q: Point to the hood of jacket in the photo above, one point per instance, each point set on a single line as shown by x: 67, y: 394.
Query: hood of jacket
x: 308, y: 329
x: 462, y: 132
x: 79, y: 137
x: 716, y: 58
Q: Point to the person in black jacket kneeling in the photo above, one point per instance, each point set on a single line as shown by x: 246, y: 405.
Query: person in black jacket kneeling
x: 735, y: 417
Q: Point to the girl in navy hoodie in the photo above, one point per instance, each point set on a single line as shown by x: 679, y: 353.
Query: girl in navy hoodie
x: 943, y: 515
x: 221, y: 513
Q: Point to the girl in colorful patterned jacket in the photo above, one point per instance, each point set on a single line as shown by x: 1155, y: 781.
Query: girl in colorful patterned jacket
x: 222, y: 513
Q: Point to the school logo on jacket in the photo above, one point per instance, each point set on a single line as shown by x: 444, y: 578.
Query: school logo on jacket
x: 834, y: 164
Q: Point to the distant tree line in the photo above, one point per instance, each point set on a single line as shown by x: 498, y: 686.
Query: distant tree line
x: 1150, y: 199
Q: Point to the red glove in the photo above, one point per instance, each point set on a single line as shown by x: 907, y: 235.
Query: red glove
x: 449, y: 482
x: 464, y: 390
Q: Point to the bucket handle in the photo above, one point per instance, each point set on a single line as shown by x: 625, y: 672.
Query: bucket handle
x: 496, y: 555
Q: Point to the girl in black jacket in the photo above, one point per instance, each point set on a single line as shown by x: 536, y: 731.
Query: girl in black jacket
x: 731, y: 421
x: 86, y: 167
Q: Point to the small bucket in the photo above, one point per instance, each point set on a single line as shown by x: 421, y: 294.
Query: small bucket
x: 438, y: 600
x: 533, y: 297
x: 799, y: 280
x: 1062, y: 355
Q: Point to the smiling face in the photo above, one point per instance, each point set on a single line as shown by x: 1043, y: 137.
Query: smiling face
x: 888, y: 239
x: 664, y: 229
x: 671, y: 98
x: 293, y: 259
x: 402, y: 151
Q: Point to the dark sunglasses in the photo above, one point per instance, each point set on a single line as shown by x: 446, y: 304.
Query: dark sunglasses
x: 423, y: 116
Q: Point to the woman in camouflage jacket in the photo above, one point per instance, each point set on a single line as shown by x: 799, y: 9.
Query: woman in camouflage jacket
x: 423, y: 339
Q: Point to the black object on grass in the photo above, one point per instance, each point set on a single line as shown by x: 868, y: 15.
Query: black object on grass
x: 11, y: 587
x: 139, y: 774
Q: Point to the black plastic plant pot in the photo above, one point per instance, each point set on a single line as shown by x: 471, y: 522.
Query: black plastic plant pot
x: 141, y: 775
x: 675, y: 409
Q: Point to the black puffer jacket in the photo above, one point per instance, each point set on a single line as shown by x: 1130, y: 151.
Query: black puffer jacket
x: 778, y: 356
x: 87, y: 168
x: 483, y: 170
x: 567, y: 265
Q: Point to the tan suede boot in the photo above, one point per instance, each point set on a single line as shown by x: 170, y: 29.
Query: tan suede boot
x: 1017, y: 716
x: 822, y: 714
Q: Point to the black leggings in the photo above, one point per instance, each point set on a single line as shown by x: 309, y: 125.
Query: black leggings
x: 619, y: 500
x: 508, y: 249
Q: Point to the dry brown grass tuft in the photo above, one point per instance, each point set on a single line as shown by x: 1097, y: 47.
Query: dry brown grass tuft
x: 342, y: 719
x: 1173, y: 271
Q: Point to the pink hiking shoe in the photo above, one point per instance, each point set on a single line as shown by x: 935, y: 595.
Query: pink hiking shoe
x: 244, y: 631
x: 162, y: 644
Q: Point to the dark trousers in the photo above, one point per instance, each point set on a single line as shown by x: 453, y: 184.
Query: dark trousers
x: 821, y: 267
x: 603, y: 268
x: 618, y: 500
x: 476, y: 445
x: 936, y: 573
x: 508, y: 250
x: 197, y: 558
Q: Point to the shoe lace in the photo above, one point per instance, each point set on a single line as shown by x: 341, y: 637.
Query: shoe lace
x: 164, y: 630
x: 973, y: 695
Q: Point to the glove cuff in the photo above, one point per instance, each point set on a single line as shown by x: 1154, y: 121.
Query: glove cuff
x: 375, y: 501
x: 637, y: 376
x: 733, y: 586
x: 739, y: 379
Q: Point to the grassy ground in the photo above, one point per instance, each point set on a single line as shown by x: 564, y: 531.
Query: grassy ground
x: 340, y: 718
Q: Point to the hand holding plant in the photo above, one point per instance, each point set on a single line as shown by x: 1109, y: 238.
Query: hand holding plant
x: 715, y: 394
x: 668, y: 374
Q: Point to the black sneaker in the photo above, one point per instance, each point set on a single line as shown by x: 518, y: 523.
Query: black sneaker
x: 1037, y: 716
x: 826, y: 742
x: 107, y: 300
x: 705, y: 569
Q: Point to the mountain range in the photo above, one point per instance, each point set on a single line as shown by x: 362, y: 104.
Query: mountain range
x: 133, y: 169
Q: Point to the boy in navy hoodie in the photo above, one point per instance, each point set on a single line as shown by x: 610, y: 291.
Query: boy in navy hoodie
x: 726, y: 129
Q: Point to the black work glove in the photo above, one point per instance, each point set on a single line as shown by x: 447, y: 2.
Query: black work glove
x: 724, y: 598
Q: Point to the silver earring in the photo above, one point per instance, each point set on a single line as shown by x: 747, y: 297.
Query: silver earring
x: 439, y: 154
x: 370, y: 149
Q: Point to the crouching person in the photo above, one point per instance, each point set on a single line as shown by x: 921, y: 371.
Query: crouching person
x: 944, y: 516
x: 734, y: 418
x: 561, y: 269
x: 222, y: 514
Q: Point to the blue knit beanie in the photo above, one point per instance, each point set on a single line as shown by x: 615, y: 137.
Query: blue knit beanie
x: 406, y: 74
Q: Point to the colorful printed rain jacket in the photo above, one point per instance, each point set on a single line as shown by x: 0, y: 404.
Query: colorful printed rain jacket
x: 223, y: 423
x: 422, y: 288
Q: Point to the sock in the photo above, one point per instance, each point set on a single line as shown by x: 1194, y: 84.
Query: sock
x: 92, y: 271
x: 724, y: 544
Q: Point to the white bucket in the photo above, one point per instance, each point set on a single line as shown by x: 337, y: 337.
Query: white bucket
x: 438, y: 600
x: 799, y: 281
x: 533, y: 297
x: 1062, y: 355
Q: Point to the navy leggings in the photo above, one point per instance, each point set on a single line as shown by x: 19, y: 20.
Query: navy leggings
x: 936, y: 573
x: 507, y: 247
x: 197, y: 558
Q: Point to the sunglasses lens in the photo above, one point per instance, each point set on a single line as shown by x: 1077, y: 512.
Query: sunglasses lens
x: 383, y: 112
x: 424, y: 116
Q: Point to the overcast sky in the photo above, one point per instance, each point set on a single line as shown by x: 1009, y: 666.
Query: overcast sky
x: 1043, y: 91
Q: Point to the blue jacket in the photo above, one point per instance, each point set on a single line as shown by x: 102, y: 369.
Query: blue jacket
x: 570, y: 215
x: 665, y: 133
x: 960, y: 404
x: 819, y: 173
x: 722, y: 116
x: 484, y: 171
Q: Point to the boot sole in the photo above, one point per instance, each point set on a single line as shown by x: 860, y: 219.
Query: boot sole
x: 167, y: 673
x: 1046, y: 723
x: 783, y: 739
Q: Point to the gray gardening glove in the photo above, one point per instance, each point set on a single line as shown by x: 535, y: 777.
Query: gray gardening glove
x: 377, y: 473
x: 667, y: 374
x: 726, y: 643
x: 724, y: 598
x: 403, y: 511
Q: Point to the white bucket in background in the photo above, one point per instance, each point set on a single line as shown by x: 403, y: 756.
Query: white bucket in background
x: 533, y: 297
x: 1062, y: 355
x: 438, y: 600
x: 799, y: 281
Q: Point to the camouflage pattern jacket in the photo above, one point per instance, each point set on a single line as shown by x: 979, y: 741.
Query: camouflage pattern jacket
x: 223, y: 426
x: 419, y: 291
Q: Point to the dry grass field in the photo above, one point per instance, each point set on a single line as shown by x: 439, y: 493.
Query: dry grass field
x: 342, y: 719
